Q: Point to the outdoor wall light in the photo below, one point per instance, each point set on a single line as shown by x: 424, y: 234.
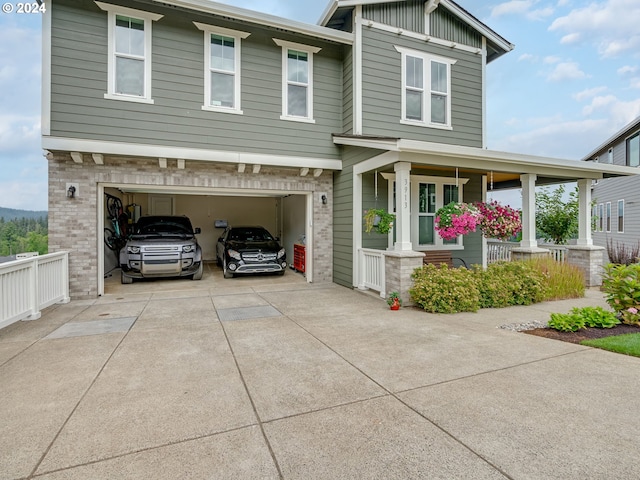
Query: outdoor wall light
x: 324, y: 199
x: 71, y: 191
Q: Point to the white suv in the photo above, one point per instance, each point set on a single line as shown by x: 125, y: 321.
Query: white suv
x: 161, y: 246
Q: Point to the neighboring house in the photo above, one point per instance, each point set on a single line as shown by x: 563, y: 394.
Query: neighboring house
x: 616, y: 209
x: 220, y: 113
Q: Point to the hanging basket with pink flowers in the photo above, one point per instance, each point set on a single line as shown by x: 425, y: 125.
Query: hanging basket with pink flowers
x: 456, y: 219
x: 498, y: 221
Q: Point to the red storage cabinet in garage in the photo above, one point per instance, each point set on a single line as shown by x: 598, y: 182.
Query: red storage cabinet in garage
x: 299, y: 260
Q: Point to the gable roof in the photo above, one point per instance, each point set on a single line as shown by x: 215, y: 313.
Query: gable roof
x: 497, y: 45
x: 615, y: 139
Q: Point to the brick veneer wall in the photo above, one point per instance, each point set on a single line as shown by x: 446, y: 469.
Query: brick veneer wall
x: 73, y: 223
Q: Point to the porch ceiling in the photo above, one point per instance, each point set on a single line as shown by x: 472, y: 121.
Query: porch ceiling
x: 508, y: 166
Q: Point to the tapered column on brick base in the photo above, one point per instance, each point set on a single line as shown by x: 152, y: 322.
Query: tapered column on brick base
x: 527, y: 253
x: 590, y: 259
x: 398, y: 267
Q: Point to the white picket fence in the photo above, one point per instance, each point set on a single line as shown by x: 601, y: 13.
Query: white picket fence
x: 501, y: 251
x: 372, y: 270
x: 28, y: 285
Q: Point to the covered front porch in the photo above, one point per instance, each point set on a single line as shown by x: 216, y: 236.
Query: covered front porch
x: 412, y: 179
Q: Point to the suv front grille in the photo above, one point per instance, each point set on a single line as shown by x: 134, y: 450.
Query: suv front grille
x: 259, y: 257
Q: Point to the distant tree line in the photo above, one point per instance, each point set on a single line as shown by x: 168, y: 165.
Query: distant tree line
x: 21, y: 235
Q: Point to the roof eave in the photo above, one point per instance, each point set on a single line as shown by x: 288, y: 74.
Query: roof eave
x: 615, y: 138
x: 264, y: 19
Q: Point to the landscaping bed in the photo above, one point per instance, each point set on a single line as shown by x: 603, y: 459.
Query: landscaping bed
x: 583, y: 334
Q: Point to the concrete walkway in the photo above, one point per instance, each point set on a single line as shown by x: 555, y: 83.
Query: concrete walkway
x: 288, y: 380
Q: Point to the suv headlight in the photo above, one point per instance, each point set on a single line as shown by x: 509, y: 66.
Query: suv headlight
x: 281, y: 253
x: 133, y: 249
x: 188, y: 248
x: 233, y: 254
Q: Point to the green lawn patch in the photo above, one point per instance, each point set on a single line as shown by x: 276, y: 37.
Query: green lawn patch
x: 628, y: 344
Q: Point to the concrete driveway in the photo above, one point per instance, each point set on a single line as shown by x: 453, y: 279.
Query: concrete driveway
x: 289, y: 380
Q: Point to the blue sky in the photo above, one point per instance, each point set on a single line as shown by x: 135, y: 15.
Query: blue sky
x: 572, y: 81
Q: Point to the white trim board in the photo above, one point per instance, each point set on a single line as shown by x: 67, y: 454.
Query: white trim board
x: 159, y: 151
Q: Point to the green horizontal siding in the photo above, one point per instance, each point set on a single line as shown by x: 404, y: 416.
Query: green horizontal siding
x: 79, y: 82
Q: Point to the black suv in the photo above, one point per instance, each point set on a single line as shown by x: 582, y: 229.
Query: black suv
x: 162, y: 246
x: 249, y: 250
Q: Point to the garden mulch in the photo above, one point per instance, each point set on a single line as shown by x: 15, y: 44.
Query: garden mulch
x: 583, y: 334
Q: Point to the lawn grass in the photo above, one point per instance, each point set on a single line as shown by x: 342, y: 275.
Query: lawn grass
x: 628, y: 344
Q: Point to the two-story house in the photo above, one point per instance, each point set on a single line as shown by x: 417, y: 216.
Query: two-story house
x: 616, y: 209
x: 232, y: 116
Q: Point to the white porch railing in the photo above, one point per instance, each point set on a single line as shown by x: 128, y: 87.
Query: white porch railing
x: 31, y: 284
x: 372, y: 270
x: 498, y: 251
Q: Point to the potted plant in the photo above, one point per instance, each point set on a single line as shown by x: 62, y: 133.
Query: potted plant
x: 498, y: 221
x: 378, y: 218
x: 394, y: 301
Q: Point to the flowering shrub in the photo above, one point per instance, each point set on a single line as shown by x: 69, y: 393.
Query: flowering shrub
x: 456, y: 219
x: 621, y: 284
x: 498, y: 221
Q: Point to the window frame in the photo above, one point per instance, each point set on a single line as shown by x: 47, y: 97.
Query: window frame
x: 601, y: 217
x: 610, y: 156
x: 621, y: 217
x: 310, y: 51
x: 608, y: 217
x: 237, y: 36
x: 636, y: 137
x: 415, y: 181
x: 148, y: 18
x: 428, y: 92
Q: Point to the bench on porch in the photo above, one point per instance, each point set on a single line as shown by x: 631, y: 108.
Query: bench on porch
x: 438, y: 257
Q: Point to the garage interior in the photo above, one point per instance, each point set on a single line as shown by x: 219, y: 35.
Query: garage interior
x: 283, y: 215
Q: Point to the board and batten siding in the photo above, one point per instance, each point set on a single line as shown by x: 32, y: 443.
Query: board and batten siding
x: 382, y: 91
x: 443, y: 24
x: 405, y: 15
x: 79, y: 82
x: 612, y: 190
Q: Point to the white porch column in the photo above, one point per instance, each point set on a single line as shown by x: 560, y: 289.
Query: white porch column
x: 403, y: 206
x: 584, y: 219
x: 528, y: 211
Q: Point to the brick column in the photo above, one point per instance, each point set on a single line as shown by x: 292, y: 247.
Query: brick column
x: 398, y: 267
x: 590, y: 259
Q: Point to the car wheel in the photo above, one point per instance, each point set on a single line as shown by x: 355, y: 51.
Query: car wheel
x: 226, y: 272
x: 125, y: 279
x: 198, y: 274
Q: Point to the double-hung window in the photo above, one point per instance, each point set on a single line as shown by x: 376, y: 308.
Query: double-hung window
x: 633, y: 151
x: 620, y: 216
x: 129, y: 45
x: 222, y: 68
x: 297, y: 81
x: 426, y: 89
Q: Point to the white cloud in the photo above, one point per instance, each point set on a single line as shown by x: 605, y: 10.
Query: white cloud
x: 627, y: 70
x: 597, y: 103
x: 588, y: 93
x: 551, y: 59
x: 570, y: 39
x: 28, y: 194
x: 620, y: 112
x: 611, y: 25
x: 541, y: 13
x: 514, y: 7
x: 17, y: 132
x: 566, y: 71
x: 527, y: 57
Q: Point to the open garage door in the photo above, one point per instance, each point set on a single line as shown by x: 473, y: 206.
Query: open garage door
x: 285, y: 215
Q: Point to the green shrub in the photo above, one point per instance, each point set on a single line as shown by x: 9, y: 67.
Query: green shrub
x: 581, y: 318
x: 566, y: 322
x: 562, y: 280
x: 504, y: 284
x: 621, y: 284
x: 445, y: 290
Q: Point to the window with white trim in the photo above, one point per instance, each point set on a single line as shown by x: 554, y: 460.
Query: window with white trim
x: 222, y: 82
x: 601, y: 218
x: 428, y: 194
x: 594, y: 219
x: 129, y: 46
x: 610, y: 156
x: 426, y: 89
x: 620, y: 216
x: 633, y: 151
x: 297, y: 81
x: 608, y: 223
